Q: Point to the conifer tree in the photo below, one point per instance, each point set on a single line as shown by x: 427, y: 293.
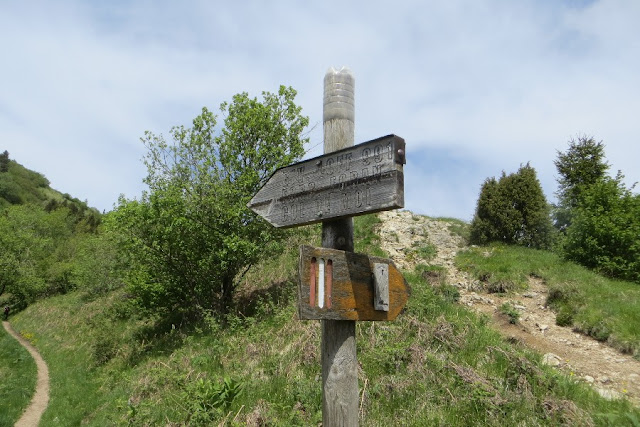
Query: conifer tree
x: 513, y: 210
x: 581, y: 166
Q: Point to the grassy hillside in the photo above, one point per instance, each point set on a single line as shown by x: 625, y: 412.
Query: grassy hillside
x: 606, y: 309
x: 19, y: 185
x: 438, y: 364
x: 43, y: 236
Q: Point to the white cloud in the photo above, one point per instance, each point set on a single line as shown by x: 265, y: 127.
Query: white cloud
x: 495, y: 83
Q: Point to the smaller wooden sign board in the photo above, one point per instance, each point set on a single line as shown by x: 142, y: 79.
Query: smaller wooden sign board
x: 339, y: 285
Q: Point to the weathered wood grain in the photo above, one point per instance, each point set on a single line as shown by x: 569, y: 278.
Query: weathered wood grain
x: 353, y: 293
x: 361, y: 179
x: 339, y: 360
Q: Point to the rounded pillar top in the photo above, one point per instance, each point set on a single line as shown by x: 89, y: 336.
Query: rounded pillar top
x: 339, y: 94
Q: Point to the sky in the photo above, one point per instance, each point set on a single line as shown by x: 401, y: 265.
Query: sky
x: 475, y: 87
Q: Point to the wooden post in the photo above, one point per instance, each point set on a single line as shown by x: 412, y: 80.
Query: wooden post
x: 339, y: 361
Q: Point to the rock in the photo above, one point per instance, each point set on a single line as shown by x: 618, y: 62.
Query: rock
x: 589, y: 379
x: 608, y: 394
x: 551, y: 359
x: 634, y: 378
x: 542, y: 327
x: 604, y: 380
x: 519, y: 307
x: 530, y: 295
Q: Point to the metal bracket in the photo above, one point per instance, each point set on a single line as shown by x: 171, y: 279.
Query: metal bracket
x: 381, y: 287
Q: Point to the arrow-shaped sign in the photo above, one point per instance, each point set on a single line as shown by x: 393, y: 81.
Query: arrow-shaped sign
x: 339, y: 285
x: 365, y: 178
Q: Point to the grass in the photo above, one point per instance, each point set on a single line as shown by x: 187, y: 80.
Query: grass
x: 458, y: 227
x: 368, y: 240
x: 18, y: 376
x: 608, y: 310
x: 63, y: 335
x: 437, y: 364
x: 511, y: 312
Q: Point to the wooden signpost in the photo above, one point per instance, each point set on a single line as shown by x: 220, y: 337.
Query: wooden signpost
x: 336, y: 285
x: 365, y: 178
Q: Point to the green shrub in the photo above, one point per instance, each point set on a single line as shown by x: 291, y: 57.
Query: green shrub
x: 9, y: 190
x: 103, y: 348
x: 604, y: 231
x: 513, y: 210
x: 433, y: 274
x: 207, y: 399
x: 565, y: 315
x: 511, y: 312
x: 422, y: 251
x: 449, y: 293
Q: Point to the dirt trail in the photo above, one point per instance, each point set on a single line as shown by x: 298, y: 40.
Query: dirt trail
x: 612, y: 374
x: 33, y: 413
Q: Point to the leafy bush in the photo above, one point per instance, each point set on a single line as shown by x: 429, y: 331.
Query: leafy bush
x: 513, y: 210
x: 598, y: 215
x: 36, y: 249
x: 192, y: 236
x: 97, y: 268
x: 10, y: 190
x: 604, y: 231
x: 207, y: 399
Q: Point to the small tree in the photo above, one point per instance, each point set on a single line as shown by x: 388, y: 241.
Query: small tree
x: 581, y: 166
x: 191, y: 235
x: 513, y: 210
x: 604, y: 231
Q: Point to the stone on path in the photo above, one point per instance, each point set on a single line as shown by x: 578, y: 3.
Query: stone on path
x: 551, y: 359
x: 608, y: 394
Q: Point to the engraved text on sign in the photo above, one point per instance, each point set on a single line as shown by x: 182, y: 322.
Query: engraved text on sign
x: 365, y: 178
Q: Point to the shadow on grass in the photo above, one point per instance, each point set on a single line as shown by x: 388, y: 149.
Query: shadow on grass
x: 167, y: 333
x: 264, y: 301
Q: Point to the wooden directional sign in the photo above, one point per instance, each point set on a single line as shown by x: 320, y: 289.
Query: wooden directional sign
x: 365, y: 178
x: 339, y: 285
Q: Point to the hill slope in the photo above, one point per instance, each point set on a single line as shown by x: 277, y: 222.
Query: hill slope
x: 609, y: 371
x: 438, y: 364
x: 19, y: 185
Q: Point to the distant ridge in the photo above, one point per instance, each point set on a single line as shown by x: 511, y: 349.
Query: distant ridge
x: 22, y: 186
